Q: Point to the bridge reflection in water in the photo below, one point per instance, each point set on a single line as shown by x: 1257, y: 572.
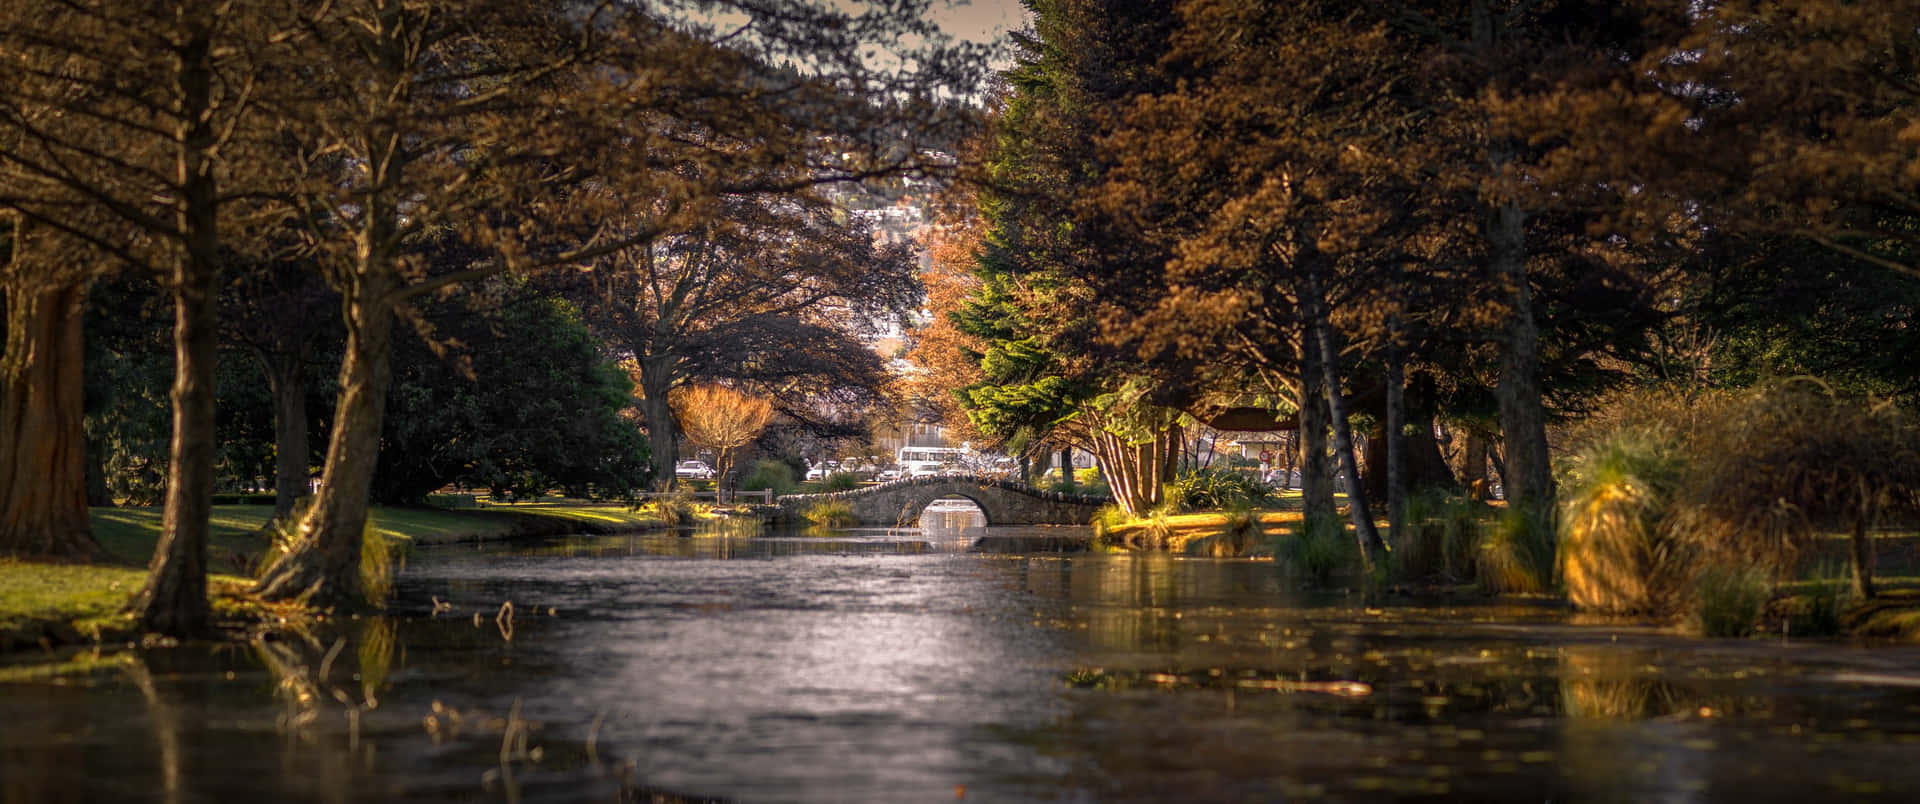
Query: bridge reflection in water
x: 950, y: 518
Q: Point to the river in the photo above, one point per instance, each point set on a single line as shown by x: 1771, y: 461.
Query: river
x: 882, y: 666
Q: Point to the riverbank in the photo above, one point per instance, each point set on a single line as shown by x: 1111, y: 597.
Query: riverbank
x: 1204, y: 533
x: 49, y: 605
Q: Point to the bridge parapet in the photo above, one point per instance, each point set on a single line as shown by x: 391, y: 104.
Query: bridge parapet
x: 1004, y: 502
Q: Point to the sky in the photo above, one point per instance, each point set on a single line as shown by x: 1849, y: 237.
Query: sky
x: 979, y: 20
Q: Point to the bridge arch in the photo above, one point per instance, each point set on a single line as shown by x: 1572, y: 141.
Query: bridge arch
x: 1003, y: 502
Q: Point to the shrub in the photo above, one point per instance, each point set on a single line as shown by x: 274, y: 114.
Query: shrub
x: 831, y: 514
x: 675, y: 511
x: 774, y: 475
x: 1617, y: 551
x: 1217, y: 490
x: 1728, y: 600
x: 1108, y: 519
x: 1784, y: 460
x: 841, y: 481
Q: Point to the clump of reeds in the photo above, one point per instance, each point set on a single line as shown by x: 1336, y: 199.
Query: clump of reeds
x: 1217, y: 490
x: 831, y: 514
x: 1618, y: 552
x: 676, y: 510
x: 381, y: 558
x: 1728, y: 600
x: 1512, y: 557
x: 1318, y: 547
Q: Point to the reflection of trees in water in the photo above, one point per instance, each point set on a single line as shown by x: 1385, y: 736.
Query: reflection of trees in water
x: 166, y: 728
x: 1599, y: 684
x: 316, y: 679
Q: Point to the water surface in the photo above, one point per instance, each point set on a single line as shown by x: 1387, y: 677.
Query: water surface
x: 882, y: 665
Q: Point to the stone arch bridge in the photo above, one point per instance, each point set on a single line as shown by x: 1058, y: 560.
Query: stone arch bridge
x: 1003, y: 501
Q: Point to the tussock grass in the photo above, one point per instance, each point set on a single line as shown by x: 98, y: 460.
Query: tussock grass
x: 1513, y: 556
x: 1318, y: 547
x: 1618, y: 551
x: 1728, y: 600
x: 831, y: 514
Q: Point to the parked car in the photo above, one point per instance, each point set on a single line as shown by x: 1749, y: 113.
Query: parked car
x: 819, y: 471
x: 693, y: 470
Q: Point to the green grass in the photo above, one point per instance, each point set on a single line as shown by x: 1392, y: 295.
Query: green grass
x: 77, y: 595
x: 77, y: 603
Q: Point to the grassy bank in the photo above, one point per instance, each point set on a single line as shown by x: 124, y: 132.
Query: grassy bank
x: 60, y: 604
x: 130, y: 533
x: 1188, y: 533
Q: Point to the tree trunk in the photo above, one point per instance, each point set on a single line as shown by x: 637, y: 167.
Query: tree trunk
x: 1370, y: 543
x: 1499, y: 467
x: 1473, y: 464
x: 1137, y: 472
x: 323, y: 569
x: 1066, y: 470
x: 1289, y: 452
x: 1523, y: 418
x: 1862, y: 549
x: 174, y: 599
x: 98, y: 495
x: 1396, y: 438
x: 1316, y: 476
x: 43, y: 461
x: 288, y: 383
x: 663, y: 431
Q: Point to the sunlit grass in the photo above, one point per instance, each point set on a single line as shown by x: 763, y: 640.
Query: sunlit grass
x: 831, y: 514
x: 66, y: 603
x: 1178, y: 532
x: 129, y: 534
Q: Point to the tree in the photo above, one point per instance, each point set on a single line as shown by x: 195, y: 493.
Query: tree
x: 522, y: 400
x: 551, y: 138
x: 721, y: 419
x: 161, y: 94
x: 1046, y: 376
x: 793, y: 277
x: 43, y: 498
x: 279, y: 312
x: 946, y: 358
